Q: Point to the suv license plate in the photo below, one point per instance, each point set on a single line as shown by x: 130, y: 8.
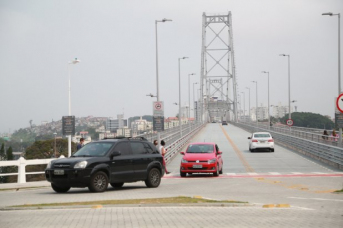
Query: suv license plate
x: 58, y: 172
x: 197, y: 166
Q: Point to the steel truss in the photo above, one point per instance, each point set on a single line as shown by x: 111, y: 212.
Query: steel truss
x: 217, y: 78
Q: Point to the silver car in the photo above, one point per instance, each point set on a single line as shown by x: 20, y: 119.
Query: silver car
x: 261, y: 141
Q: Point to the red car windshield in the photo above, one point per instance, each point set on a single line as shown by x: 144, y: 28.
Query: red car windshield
x: 200, y: 148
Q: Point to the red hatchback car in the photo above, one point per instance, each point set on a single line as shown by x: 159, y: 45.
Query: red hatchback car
x: 201, y: 158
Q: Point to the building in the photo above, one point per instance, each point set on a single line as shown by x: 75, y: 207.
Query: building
x: 280, y: 111
x: 114, y: 124
x: 140, y: 126
x: 262, y: 113
x: 125, y: 131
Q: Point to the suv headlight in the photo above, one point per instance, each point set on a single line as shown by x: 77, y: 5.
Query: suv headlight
x: 212, y: 161
x: 48, y: 165
x: 184, y: 161
x: 80, y: 165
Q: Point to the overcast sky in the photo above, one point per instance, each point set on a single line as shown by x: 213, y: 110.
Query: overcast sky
x: 115, y: 41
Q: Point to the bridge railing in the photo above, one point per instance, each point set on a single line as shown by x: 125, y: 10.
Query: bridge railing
x: 312, y: 134
x: 327, y: 153
x: 174, y: 143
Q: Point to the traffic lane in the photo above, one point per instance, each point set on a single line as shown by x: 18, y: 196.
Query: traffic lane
x: 212, y: 133
x: 282, y: 160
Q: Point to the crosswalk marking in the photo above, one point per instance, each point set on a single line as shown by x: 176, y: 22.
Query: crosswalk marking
x: 252, y: 174
x: 296, y: 173
x: 274, y: 173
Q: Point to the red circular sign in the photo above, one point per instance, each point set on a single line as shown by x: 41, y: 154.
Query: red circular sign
x: 158, y: 106
x: 289, y: 122
x: 339, y: 103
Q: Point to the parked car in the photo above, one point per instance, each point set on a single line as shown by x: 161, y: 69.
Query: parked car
x: 224, y: 122
x: 201, y: 158
x: 261, y: 141
x: 115, y: 161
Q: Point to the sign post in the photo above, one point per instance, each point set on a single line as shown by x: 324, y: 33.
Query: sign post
x: 68, y: 128
x: 339, y: 117
x: 158, y: 113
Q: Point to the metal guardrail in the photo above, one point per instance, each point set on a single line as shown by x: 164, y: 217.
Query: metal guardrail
x: 174, y: 143
x: 312, y: 134
x: 323, y: 152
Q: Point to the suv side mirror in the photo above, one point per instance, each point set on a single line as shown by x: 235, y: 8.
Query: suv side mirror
x: 183, y: 153
x: 249, y: 138
x: 219, y: 152
x: 115, y: 153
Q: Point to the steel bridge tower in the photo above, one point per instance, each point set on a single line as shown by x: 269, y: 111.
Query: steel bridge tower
x: 218, y: 97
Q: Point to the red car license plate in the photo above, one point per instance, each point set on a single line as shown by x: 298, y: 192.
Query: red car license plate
x: 197, y: 166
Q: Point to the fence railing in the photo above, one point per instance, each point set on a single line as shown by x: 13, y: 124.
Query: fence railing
x: 319, y: 150
x: 174, y: 143
x: 312, y: 134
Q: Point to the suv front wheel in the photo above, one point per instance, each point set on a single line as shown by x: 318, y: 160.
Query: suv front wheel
x: 154, y: 178
x: 59, y: 189
x: 99, y: 182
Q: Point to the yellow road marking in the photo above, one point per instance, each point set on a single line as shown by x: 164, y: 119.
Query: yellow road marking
x: 238, y: 152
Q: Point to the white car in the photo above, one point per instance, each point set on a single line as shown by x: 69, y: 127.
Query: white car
x: 261, y: 140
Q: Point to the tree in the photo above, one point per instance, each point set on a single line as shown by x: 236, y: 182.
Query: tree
x: 311, y: 120
x: 45, y: 149
x: 2, y: 152
x: 9, y: 154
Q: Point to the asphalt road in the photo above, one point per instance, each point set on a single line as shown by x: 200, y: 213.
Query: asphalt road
x: 282, y: 178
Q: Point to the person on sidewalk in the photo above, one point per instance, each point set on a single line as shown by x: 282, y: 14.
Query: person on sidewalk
x: 163, y: 152
x: 80, y: 145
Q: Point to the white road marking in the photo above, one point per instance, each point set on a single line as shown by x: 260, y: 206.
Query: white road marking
x: 296, y: 173
x: 252, y: 174
x: 274, y: 173
x: 321, y: 199
x: 231, y: 174
x: 319, y: 173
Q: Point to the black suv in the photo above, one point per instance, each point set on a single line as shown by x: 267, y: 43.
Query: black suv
x: 113, y: 161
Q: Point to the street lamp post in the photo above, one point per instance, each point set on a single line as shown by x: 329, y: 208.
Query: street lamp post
x: 244, y: 105
x: 189, y: 94
x: 180, y: 122
x: 194, y: 99
x: 157, y: 81
x: 256, y: 102
x: 289, y: 85
x: 249, y: 102
x: 339, y: 62
x: 267, y: 72
x: 75, y: 61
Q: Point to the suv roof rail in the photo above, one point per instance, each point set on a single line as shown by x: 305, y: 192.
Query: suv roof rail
x: 140, y: 138
x: 128, y: 138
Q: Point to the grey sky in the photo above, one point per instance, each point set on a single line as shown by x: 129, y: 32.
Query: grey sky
x: 115, y: 40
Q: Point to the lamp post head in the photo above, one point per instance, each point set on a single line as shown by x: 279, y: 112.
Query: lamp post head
x: 265, y: 72
x: 192, y: 74
x: 75, y: 61
x: 328, y: 14
x: 150, y: 95
x: 175, y: 103
x: 164, y: 20
x: 254, y: 81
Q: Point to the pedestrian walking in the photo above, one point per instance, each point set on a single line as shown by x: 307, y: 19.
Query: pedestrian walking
x: 80, y: 145
x: 163, y: 152
x: 156, y: 143
x: 325, y: 135
x: 334, y: 135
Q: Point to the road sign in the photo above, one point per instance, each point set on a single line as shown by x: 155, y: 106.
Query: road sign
x: 339, y: 120
x: 339, y: 103
x: 158, y: 108
x: 158, y: 123
x: 68, y: 125
x: 289, y: 122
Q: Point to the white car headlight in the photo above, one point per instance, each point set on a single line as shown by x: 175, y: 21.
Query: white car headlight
x: 212, y: 161
x: 48, y: 165
x: 184, y: 161
x: 80, y: 165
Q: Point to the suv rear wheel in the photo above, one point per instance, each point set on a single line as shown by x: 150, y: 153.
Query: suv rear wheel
x: 117, y: 185
x: 99, y: 182
x: 59, y: 189
x: 154, y: 178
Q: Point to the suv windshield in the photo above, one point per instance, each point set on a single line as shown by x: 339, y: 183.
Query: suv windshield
x: 198, y: 148
x: 96, y: 149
